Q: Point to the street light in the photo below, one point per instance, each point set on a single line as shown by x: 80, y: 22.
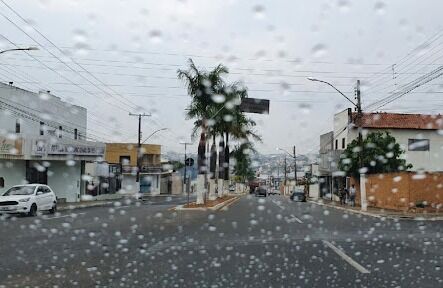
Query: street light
x: 360, y: 136
x: 162, y: 129
x: 19, y: 49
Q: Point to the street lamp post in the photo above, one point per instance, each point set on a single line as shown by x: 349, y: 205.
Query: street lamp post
x: 19, y: 49
x: 358, y: 123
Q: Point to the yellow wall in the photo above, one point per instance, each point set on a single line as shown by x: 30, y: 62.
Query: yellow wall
x: 115, y: 150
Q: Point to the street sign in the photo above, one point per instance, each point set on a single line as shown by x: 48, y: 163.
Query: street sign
x: 189, y: 162
x: 254, y: 105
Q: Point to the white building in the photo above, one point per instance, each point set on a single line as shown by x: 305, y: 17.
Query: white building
x: 419, y: 135
x: 42, y: 140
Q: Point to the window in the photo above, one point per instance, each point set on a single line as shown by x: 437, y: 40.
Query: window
x: 17, y: 126
x: 42, y: 128
x: 2, y: 182
x: 418, y: 144
x: 336, y: 144
x: 75, y: 133
x: 41, y: 189
x: 60, y: 130
x: 343, y: 143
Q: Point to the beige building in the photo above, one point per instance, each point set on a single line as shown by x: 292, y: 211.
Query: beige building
x: 151, y: 173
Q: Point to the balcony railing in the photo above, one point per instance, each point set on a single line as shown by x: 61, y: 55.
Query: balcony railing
x: 151, y: 168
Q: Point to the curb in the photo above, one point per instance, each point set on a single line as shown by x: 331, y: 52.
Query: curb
x: 380, y: 216
x: 82, y: 206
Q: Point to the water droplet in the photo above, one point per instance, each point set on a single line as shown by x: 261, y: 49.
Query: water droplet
x: 380, y: 8
x: 259, y: 11
x: 155, y: 36
x: 343, y: 5
x: 319, y: 50
x: 218, y: 98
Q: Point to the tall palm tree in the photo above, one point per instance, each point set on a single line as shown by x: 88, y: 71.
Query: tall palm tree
x: 202, y: 86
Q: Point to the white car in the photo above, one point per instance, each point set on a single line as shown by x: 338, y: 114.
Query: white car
x: 28, y: 199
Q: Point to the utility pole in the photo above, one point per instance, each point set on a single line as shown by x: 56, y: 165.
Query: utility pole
x: 139, y: 145
x: 359, y: 123
x: 185, y: 176
x: 295, y: 168
x: 286, y: 171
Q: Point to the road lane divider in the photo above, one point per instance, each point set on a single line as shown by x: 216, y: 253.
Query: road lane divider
x: 345, y: 257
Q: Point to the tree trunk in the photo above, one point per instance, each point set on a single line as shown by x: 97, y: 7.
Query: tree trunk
x: 201, y: 164
x: 226, y: 163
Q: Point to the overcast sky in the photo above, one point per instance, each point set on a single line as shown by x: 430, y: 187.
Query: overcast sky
x: 129, y: 52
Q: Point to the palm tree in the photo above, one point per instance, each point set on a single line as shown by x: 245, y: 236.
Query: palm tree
x: 202, y: 86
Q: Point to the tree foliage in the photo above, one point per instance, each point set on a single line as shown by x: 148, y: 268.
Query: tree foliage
x: 381, y: 154
x: 243, y: 163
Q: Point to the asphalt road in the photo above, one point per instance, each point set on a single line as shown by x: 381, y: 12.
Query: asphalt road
x: 256, y: 242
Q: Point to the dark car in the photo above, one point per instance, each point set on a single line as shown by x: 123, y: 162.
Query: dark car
x: 298, y: 195
x: 261, y: 191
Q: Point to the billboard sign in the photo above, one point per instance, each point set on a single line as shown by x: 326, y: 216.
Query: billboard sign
x: 254, y: 105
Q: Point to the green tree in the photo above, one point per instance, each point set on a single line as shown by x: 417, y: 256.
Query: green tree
x: 243, y: 164
x: 381, y: 154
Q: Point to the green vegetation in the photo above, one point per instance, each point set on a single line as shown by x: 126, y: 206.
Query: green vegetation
x: 381, y: 154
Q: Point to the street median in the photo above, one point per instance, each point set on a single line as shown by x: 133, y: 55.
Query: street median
x: 212, y: 205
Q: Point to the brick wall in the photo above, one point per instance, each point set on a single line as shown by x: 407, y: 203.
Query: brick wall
x: 401, y: 191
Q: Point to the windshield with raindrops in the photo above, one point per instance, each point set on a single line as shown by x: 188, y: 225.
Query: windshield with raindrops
x: 222, y: 143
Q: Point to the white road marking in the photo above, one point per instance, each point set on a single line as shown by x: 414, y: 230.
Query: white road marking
x: 296, y: 219
x: 62, y: 216
x: 345, y: 257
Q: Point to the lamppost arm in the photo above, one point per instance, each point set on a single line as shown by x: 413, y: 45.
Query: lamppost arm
x: 327, y: 83
x: 290, y: 155
x: 19, y: 49
x: 153, y: 134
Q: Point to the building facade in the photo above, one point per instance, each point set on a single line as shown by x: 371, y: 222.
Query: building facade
x: 43, y: 140
x: 418, y: 135
x: 151, y: 172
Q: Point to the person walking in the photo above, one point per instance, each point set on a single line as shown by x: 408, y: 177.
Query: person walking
x: 352, y: 193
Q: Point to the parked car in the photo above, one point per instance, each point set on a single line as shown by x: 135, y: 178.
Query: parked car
x: 274, y: 191
x: 298, y: 195
x: 28, y: 199
x: 232, y: 188
x: 261, y: 191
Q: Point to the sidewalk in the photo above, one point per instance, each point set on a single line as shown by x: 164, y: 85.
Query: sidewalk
x: 380, y: 213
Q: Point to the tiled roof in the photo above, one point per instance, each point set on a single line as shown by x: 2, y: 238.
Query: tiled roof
x: 401, y: 121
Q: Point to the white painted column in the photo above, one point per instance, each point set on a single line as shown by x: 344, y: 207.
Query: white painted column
x: 225, y: 187
x: 212, y: 195
x: 364, y: 203
x: 200, y: 189
x: 220, y: 188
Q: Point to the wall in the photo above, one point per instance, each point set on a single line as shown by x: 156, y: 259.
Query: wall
x: 115, y: 150
x: 401, y: 191
x: 65, y: 180
x: 63, y: 114
x: 14, y: 173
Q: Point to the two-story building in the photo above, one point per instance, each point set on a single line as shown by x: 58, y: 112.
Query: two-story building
x: 419, y: 136
x: 151, y: 172
x: 42, y: 140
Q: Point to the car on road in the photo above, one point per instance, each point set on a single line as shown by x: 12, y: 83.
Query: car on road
x: 261, y: 191
x: 28, y: 199
x: 274, y: 191
x: 298, y: 195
